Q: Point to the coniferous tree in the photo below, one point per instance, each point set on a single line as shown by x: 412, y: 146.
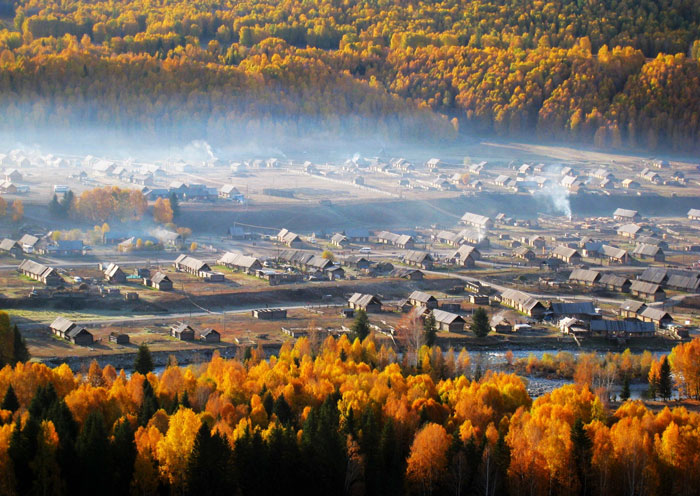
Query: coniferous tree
x: 360, y: 327
x: 143, y: 363
x: 93, y: 455
x: 174, y: 205
x: 149, y: 405
x: 21, y: 353
x: 123, y: 455
x: 665, y: 384
x: 44, y: 398
x: 10, y: 401
x: 209, y: 465
x: 22, y: 451
x: 582, y: 455
x: 480, y: 323
x: 625, y: 393
x: 429, y: 329
x: 392, y: 461
x: 323, y: 449
x: 282, y: 409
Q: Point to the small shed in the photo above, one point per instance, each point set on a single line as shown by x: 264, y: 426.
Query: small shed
x: 210, y: 335
x: 118, y: 338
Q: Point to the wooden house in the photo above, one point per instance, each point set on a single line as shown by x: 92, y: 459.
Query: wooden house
x: 566, y: 254
x: 269, y: 313
x: 367, y: 302
x: 629, y: 231
x: 70, y: 331
x: 119, y: 338
x: 161, y: 282
x: 649, y: 252
x: 419, y: 298
x: 403, y: 241
x: 630, y: 309
x: 658, y: 316
x: 210, y: 335
x: 40, y: 272
x: 182, y: 331
x: 114, y: 274
x: 647, y: 290
x: 614, y: 282
x: 524, y: 253
x: 340, y: 240
x: 448, y: 321
x: 11, y: 247
x: 419, y: 259
x: 479, y: 221
x: 522, y: 302
x: 243, y: 263
x: 621, y: 329
x: 584, y: 277
x: 289, y: 238
x: 196, y: 267
x: 626, y: 215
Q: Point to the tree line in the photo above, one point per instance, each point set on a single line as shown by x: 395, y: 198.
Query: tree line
x: 337, y: 417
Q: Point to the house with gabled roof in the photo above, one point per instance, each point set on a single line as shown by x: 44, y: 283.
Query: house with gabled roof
x: 367, y: 302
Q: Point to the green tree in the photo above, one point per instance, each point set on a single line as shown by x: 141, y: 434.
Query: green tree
x: 429, y: 329
x: 21, y: 353
x: 360, y: 327
x: 10, y: 401
x: 480, y: 323
x: 93, y: 455
x: 582, y: 455
x: 625, y: 394
x: 143, y: 364
x: 209, y: 466
x: 55, y: 208
x: 123, y: 456
x: 149, y: 405
x: 22, y: 450
x: 665, y: 384
x: 282, y: 409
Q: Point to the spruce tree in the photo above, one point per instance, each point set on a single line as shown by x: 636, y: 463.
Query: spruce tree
x: 625, y: 394
x: 149, y: 405
x: 209, y: 465
x: 665, y: 384
x: 93, y: 455
x: 174, y: 205
x: 480, y: 323
x: 429, y: 329
x: 282, y: 409
x: 21, y: 353
x: 22, y: 450
x: 143, y: 364
x: 360, y: 327
x: 123, y: 456
x: 582, y: 455
x: 10, y: 401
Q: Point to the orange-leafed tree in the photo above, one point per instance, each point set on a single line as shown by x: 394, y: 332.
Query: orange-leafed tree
x: 162, y: 211
x: 427, y: 463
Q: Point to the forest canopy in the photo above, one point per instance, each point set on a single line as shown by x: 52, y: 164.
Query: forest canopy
x: 620, y: 73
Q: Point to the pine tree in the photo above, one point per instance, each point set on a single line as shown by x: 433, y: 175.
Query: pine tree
x: 149, y: 405
x: 174, y: 205
x: 480, y: 323
x: 143, y: 364
x: 665, y: 384
x: 625, y: 394
x: 209, y: 465
x: 360, y: 327
x: 93, y: 455
x: 20, y: 349
x: 282, y: 409
x: 123, y: 456
x: 54, y: 207
x: 44, y: 398
x: 22, y: 450
x: 429, y: 329
x: 10, y: 401
x: 582, y: 455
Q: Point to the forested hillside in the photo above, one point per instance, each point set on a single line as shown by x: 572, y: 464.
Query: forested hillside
x: 612, y: 73
x: 343, y: 418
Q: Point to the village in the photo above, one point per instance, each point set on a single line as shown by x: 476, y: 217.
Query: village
x: 558, y: 279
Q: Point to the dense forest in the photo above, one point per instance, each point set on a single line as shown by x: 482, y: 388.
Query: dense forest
x: 614, y: 73
x: 339, y: 417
